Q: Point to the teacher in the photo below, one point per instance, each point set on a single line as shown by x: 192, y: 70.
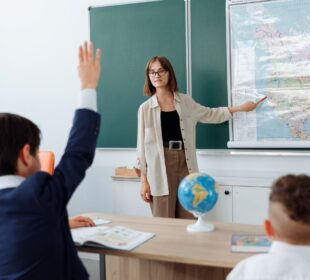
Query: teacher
x: 166, y: 137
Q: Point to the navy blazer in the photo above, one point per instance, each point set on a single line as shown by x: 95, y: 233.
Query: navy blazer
x: 35, y: 238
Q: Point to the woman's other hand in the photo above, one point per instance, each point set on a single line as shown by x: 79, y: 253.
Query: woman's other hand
x: 145, y: 191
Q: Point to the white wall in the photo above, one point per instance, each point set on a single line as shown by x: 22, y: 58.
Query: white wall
x: 38, y: 79
x: 38, y: 59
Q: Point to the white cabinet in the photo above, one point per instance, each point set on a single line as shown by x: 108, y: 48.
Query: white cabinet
x: 127, y: 199
x: 250, y: 204
x: 241, y: 205
x: 236, y: 204
x: 222, y: 210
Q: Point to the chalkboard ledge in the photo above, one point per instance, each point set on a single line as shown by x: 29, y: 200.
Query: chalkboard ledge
x: 116, y: 149
x: 125, y: 178
x: 264, y: 153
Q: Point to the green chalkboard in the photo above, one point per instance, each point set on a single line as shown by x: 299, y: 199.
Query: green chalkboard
x: 128, y: 36
x: 209, y: 71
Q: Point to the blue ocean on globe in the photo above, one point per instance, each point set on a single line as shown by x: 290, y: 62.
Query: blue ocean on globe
x: 198, y: 193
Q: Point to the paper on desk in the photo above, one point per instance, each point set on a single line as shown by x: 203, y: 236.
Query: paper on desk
x: 99, y: 222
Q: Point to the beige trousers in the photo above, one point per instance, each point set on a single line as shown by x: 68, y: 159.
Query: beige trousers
x: 168, y: 206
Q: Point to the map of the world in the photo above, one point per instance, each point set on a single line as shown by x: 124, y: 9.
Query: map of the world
x: 269, y: 47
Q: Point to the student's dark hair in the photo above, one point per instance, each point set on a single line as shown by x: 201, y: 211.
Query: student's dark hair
x: 293, y: 192
x: 15, y: 132
x: 149, y: 89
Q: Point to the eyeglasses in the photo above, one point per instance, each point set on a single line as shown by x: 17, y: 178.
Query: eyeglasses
x: 159, y: 72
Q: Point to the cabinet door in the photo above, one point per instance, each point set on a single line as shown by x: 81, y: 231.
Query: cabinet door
x: 250, y: 205
x: 222, y: 210
x: 127, y: 199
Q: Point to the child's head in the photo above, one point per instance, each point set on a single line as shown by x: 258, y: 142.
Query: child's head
x: 19, y: 144
x: 289, y: 210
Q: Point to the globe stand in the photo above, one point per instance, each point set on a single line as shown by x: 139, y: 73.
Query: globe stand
x: 200, y: 225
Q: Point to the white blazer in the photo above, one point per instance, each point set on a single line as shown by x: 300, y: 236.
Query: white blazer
x: 150, y: 149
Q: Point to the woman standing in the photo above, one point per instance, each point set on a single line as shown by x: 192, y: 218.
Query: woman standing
x: 166, y: 137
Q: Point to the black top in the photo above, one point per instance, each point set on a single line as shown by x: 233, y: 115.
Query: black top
x: 170, y: 126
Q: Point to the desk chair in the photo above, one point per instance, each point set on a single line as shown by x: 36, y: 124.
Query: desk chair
x: 47, y: 159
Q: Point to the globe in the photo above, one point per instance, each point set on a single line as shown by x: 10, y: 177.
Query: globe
x: 198, y: 194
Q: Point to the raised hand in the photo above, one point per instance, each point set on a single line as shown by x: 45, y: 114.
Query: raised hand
x: 89, y: 66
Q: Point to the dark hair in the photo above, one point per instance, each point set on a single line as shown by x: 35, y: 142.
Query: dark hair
x: 293, y: 192
x: 15, y: 132
x: 149, y: 89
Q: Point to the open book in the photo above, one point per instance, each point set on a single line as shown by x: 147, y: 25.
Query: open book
x: 252, y: 243
x: 116, y: 237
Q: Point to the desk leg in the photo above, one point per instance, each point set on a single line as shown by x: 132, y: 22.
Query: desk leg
x: 102, y: 271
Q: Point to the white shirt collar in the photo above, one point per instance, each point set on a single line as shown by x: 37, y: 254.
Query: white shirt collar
x: 10, y: 181
x: 281, y: 247
x: 154, y: 101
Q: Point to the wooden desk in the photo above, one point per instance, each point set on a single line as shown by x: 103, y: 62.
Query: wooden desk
x: 173, y: 253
